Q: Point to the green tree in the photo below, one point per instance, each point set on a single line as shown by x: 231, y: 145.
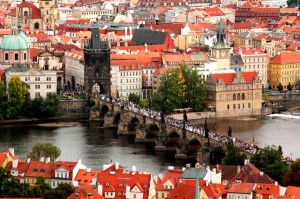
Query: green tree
x: 36, y: 107
x: 265, y: 97
x: 2, y: 91
x: 270, y: 87
x: 4, y: 182
x: 44, y: 150
x: 234, y: 156
x: 289, y: 87
x: 50, y: 105
x: 17, y: 91
x: 134, y: 98
x: 297, y: 84
x: 280, y: 87
x: 277, y: 171
x: 292, y: 176
x: 66, y: 188
x: 181, y: 87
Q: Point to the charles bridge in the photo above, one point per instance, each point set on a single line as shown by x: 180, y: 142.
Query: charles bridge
x: 166, y: 138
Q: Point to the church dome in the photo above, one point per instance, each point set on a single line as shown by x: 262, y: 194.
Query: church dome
x: 15, y: 42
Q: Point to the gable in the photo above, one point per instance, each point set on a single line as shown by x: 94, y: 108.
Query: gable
x: 136, y: 189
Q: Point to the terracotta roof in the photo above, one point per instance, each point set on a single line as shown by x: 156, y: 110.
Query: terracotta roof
x: 65, y: 165
x: 37, y: 169
x: 215, y: 11
x: 243, y: 188
x: 292, y: 192
x: 265, y: 9
x: 286, y: 58
x: 172, y: 176
x: 85, y: 192
x: 267, y: 189
x: 85, y: 177
x: 117, y: 180
x: 229, y: 77
x: 260, y: 37
x: 36, y: 13
x: 244, y: 25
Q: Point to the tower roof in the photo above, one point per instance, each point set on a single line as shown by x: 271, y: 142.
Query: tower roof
x: 220, y: 37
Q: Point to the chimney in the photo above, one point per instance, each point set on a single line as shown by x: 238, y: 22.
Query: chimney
x: 214, y: 170
x: 206, y: 183
x: 130, y: 32
x: 183, y: 169
x: 15, y: 163
x: 88, y: 170
x: 253, y: 194
x: 238, y: 169
x: 170, y: 168
x: 261, y: 173
x: 218, y: 167
x: 125, y: 33
x: 246, y: 162
x: 276, y: 183
x: 134, y: 168
x: 42, y: 159
x: 12, y: 151
x: 127, y: 192
x: 47, y: 160
x: 117, y: 165
x: 100, y: 189
x: 57, y: 159
x: 28, y: 160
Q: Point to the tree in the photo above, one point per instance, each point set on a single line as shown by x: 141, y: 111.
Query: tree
x: 17, y: 91
x: 265, y: 97
x: 2, y: 91
x: 181, y: 87
x: 44, y: 150
x: 277, y: 171
x: 297, y: 84
x: 234, y: 156
x: 280, y: 87
x: 134, y: 98
x: 292, y: 177
x: 50, y: 105
x: 289, y: 87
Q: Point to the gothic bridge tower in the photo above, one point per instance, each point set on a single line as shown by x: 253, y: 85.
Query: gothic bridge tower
x: 97, y: 65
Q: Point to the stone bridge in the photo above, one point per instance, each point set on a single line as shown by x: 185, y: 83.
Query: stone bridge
x: 165, y: 137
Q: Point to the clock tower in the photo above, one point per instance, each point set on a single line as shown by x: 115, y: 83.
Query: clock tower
x: 220, y: 52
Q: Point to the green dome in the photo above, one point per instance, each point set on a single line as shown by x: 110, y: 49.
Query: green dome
x: 22, y: 34
x: 14, y: 42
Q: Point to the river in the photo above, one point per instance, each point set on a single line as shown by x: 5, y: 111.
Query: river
x: 96, y: 146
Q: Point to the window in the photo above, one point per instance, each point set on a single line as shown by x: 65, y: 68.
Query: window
x: 37, y: 79
x: 48, y: 86
x: 234, y: 106
x: 37, y: 86
x: 37, y: 94
x: 66, y: 175
x: 228, y: 106
x: 25, y: 56
x: 16, y: 56
x: 6, y: 56
x: 134, y: 195
x: 53, y: 183
x: 249, y: 105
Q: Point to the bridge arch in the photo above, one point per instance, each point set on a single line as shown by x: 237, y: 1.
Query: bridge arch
x: 133, y: 124
x: 103, y: 110
x: 117, y: 118
x: 173, y: 139
x: 152, y: 131
x: 194, y: 146
x: 217, y: 155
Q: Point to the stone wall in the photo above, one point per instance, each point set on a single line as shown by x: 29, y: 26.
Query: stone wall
x: 195, y: 115
x: 73, y: 107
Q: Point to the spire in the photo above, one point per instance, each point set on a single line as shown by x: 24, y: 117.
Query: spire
x: 156, y: 16
x: 197, y: 191
x: 220, y: 37
x: 95, y: 42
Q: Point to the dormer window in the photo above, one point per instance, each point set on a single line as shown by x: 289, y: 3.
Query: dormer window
x: 107, y: 184
x: 120, y: 185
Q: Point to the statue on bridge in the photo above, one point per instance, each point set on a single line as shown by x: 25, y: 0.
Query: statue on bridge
x: 185, y: 116
x: 229, y: 132
x: 162, y: 117
x: 206, y: 130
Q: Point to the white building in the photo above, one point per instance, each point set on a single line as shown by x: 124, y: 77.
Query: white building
x: 65, y: 13
x: 274, y: 3
x: 91, y: 13
x: 40, y: 82
x: 241, y: 190
x: 74, y: 69
x: 176, y: 15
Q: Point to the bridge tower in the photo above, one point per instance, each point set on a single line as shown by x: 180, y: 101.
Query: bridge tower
x: 97, y: 65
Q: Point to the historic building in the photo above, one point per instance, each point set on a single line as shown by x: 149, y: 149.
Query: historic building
x: 284, y: 69
x: 32, y: 17
x: 234, y: 94
x: 14, y: 48
x: 97, y: 65
x: 220, y: 52
x: 40, y: 82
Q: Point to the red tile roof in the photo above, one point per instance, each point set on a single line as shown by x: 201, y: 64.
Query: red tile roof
x: 85, y: 177
x: 67, y: 166
x: 229, y: 77
x: 172, y: 176
x: 292, y: 192
x: 243, y: 188
x: 286, y: 58
x: 39, y: 169
x: 36, y: 13
x: 86, y: 192
x: 244, y: 25
x: 117, y: 180
x: 267, y: 189
x: 215, y: 11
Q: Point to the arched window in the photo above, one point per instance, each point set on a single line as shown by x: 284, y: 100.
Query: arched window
x: 233, y: 106
x: 243, y: 96
x: 239, y: 106
x: 228, y: 106
x: 36, y: 25
x: 243, y: 106
x: 238, y: 96
x: 234, y: 97
x: 249, y: 105
x: 25, y: 14
x: 25, y: 57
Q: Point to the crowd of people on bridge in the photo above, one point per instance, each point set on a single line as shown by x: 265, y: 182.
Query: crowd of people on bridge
x: 169, y: 120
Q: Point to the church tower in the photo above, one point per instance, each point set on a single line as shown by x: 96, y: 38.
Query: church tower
x: 97, y: 65
x: 220, y: 52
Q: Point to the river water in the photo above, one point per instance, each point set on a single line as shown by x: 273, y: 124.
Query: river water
x: 96, y: 146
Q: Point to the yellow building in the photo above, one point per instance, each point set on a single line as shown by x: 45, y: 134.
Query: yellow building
x: 284, y: 69
x: 234, y: 94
